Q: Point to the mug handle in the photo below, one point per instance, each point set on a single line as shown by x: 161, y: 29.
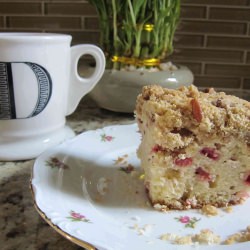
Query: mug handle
x: 80, y: 86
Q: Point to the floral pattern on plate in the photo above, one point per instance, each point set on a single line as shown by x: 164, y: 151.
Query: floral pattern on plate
x: 107, y: 138
x: 54, y: 162
x: 188, y: 221
x: 76, y: 217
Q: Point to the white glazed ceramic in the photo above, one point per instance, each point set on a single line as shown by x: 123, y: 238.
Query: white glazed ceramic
x: 39, y: 86
x: 117, y: 90
x: 90, y: 190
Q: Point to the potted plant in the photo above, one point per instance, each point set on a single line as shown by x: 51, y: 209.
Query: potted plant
x: 137, y: 38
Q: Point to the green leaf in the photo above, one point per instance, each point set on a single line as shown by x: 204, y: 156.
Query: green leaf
x: 137, y: 6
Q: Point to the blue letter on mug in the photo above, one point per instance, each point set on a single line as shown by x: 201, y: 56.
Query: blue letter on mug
x: 7, y: 90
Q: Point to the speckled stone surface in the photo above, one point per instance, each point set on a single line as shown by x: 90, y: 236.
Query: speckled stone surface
x: 21, y: 226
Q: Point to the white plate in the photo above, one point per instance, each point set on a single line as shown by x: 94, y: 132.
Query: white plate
x: 89, y: 189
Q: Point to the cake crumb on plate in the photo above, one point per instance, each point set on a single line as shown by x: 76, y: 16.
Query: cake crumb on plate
x: 209, y: 210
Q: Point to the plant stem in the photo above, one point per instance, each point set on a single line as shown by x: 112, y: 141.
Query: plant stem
x: 115, y: 36
x: 132, y: 13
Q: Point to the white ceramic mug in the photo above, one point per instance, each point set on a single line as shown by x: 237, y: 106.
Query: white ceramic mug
x: 39, y: 87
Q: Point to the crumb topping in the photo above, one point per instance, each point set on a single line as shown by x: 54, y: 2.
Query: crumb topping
x: 207, y: 111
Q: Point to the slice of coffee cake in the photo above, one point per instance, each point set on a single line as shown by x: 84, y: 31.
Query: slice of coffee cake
x: 195, y: 147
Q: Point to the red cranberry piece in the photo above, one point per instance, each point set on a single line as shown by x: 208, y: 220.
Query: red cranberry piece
x: 202, y: 174
x: 157, y: 148
x: 247, y: 180
x: 210, y: 153
x: 184, y: 162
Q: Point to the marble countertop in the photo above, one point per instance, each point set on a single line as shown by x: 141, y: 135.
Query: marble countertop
x: 21, y: 226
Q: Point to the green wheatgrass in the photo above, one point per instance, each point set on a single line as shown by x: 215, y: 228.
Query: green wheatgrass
x: 139, y: 29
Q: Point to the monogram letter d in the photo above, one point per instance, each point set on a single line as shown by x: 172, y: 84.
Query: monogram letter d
x: 8, y: 85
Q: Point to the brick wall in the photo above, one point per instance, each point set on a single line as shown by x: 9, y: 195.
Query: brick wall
x: 213, y: 38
